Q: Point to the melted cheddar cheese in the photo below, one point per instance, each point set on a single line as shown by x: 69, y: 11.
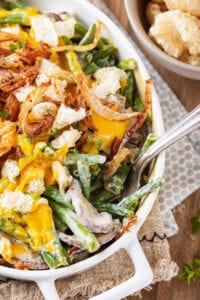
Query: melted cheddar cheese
x: 39, y: 223
x: 107, y: 130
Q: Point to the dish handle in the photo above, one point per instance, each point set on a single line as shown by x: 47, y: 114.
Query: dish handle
x: 143, y: 275
x: 48, y: 289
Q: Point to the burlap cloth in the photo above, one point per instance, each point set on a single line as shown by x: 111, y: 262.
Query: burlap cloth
x: 108, y: 273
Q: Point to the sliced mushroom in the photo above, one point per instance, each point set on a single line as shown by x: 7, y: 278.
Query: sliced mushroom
x: 71, y: 240
x: 109, y: 236
x: 53, y: 17
x: 88, y: 215
x: 103, y: 238
x: 32, y: 261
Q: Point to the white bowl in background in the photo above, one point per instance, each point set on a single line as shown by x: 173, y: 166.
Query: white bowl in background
x: 136, y: 14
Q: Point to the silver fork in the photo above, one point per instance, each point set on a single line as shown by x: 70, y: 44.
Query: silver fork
x: 187, y: 124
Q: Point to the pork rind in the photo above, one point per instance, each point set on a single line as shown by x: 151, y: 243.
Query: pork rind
x: 153, y: 9
x: 191, y: 6
x: 177, y: 33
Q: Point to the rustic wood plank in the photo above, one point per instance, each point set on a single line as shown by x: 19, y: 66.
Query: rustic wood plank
x: 184, y: 246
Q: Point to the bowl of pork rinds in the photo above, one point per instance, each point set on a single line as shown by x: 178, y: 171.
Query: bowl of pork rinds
x: 169, y: 30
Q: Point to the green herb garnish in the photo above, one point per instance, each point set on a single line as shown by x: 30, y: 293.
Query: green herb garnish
x: 4, y: 113
x: 15, y: 46
x: 190, y: 273
x: 196, y: 223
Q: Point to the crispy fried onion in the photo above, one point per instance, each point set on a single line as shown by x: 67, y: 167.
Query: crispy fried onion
x: 141, y: 117
x: 34, y: 127
x: 96, y: 105
x: 30, y: 53
x: 7, y: 137
x: 13, y: 107
x: 11, y: 61
x: 127, y: 226
x: 11, y: 81
x: 82, y: 48
x: 114, y: 164
x: 6, y: 37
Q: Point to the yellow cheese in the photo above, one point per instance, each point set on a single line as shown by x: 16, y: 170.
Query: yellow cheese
x: 107, y: 130
x: 25, y: 143
x: 40, y: 227
x: 27, y: 175
x: 10, y: 250
x: 5, y: 184
x: 60, y: 154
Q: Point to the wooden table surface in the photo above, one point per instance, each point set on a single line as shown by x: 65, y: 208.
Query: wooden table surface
x: 183, y: 246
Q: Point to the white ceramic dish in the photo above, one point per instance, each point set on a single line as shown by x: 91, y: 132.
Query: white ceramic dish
x: 143, y: 273
x: 135, y: 11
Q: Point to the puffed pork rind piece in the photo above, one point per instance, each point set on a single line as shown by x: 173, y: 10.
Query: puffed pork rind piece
x: 177, y: 33
x: 190, y: 6
x: 153, y: 9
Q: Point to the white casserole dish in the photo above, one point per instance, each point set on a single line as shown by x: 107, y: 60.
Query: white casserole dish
x: 86, y: 12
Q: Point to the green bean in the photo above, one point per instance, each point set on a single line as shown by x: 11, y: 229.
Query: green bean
x: 132, y: 201
x: 104, y: 53
x: 100, y: 44
x: 66, y: 40
x: 88, y: 58
x: 59, y: 224
x: 139, y: 104
x: 57, y: 257
x: 89, y: 36
x: 103, y: 63
x: 12, y: 4
x: 53, y: 193
x: 113, y: 209
x: 14, y: 229
x: 85, y: 177
x: 80, y: 29
x: 127, y: 64
x: 151, y: 138
x: 90, y: 69
x: 95, y: 170
x: 116, y: 183
x: 14, y: 19
x: 90, y: 159
x: 97, y: 184
x: 130, y: 89
x: 68, y: 217
x: 103, y: 196
x: 106, y: 41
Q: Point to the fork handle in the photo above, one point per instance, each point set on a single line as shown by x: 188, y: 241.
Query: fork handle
x: 187, y: 124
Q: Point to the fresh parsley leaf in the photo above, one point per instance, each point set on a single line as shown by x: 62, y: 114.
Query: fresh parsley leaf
x: 15, y: 46
x: 4, y: 113
x: 22, y: 43
x: 190, y: 273
x: 196, y: 223
x: 28, y: 139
